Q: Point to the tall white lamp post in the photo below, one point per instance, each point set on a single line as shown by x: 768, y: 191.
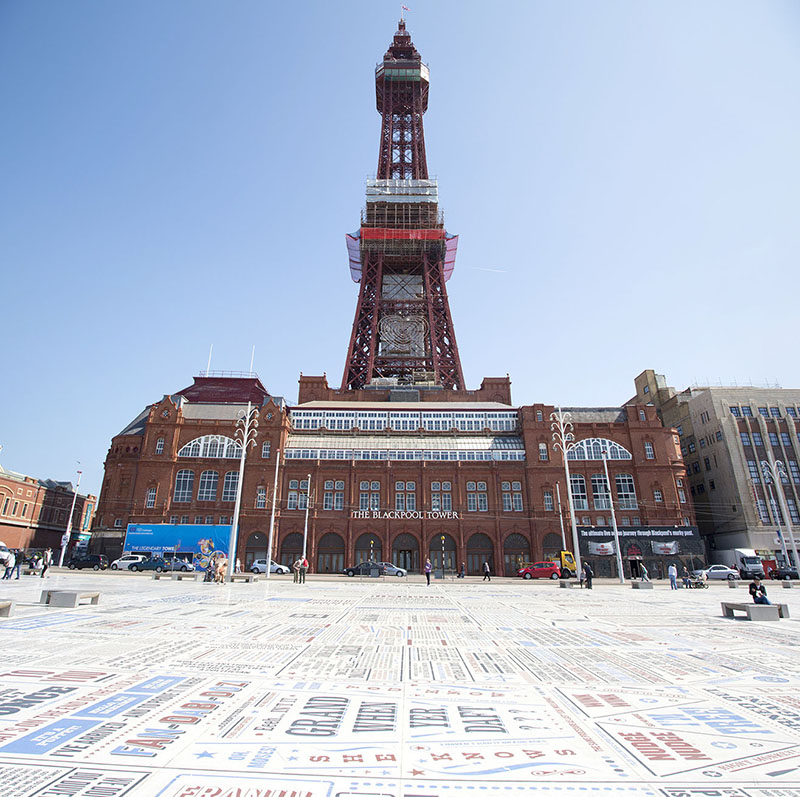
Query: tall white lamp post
x: 272, y: 515
x: 246, y: 428
x: 68, y: 532
x: 775, y: 471
x: 613, y: 518
x: 561, y: 518
x: 305, y: 524
x: 564, y: 439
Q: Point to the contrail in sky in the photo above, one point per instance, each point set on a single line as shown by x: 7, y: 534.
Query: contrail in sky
x: 493, y: 270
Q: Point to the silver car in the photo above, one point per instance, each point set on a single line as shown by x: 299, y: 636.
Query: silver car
x: 260, y: 566
x: 717, y: 573
x: 124, y: 562
x: 393, y: 570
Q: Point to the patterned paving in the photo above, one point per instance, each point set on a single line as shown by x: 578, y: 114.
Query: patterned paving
x: 390, y: 688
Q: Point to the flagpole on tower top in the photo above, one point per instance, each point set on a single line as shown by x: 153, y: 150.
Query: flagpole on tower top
x: 402, y: 9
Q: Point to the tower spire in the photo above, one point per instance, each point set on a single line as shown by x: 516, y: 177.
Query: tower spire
x: 402, y: 256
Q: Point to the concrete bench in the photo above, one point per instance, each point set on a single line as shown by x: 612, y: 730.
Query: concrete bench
x: 565, y: 584
x: 67, y: 598
x: 191, y: 575
x: 783, y: 610
x: 754, y: 611
x: 642, y: 584
x: 6, y: 608
x: 250, y: 578
x: 787, y: 584
x: 733, y: 584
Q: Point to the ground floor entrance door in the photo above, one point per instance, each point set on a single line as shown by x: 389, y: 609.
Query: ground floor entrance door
x: 405, y: 559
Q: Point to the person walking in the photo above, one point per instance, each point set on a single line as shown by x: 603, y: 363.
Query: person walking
x: 463, y: 571
x: 238, y: 565
x: 296, y: 570
x: 643, y: 573
x: 487, y: 572
x: 20, y: 556
x: 428, y: 568
x: 588, y: 574
x: 758, y: 592
x: 303, y: 570
x: 47, y: 560
x: 10, y: 561
x: 672, y: 571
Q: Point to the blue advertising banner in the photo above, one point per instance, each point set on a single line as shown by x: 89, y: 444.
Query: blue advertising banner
x: 158, y: 539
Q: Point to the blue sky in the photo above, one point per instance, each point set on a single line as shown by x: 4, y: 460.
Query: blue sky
x: 623, y: 177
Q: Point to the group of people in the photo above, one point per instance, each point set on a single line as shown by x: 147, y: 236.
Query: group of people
x: 13, y: 560
x: 299, y: 570
x: 217, y: 569
x: 462, y: 573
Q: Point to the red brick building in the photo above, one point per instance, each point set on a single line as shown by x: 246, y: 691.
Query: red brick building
x: 34, y: 512
x: 394, y: 470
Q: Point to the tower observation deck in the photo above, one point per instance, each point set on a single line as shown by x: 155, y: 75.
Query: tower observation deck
x: 402, y: 256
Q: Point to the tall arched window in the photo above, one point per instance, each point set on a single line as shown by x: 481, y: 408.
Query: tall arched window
x: 592, y: 448
x: 578, y: 484
x: 184, y: 486
x: 207, y: 491
x: 212, y: 446
x: 626, y: 491
x: 230, y: 485
x: 602, y: 500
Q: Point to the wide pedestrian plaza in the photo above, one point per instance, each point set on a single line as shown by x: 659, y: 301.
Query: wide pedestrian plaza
x: 345, y: 687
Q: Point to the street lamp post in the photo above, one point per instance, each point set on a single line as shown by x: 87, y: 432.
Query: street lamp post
x: 775, y: 471
x: 65, y: 537
x: 246, y: 428
x: 443, y: 557
x: 272, y: 514
x: 564, y: 440
x: 305, y: 524
x: 561, y: 519
x: 613, y: 518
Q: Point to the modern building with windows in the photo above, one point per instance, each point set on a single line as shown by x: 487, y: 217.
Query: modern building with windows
x: 726, y: 433
x: 403, y: 462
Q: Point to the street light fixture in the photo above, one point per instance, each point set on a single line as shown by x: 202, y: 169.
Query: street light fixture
x: 305, y: 524
x: 564, y: 440
x: 613, y: 517
x: 775, y: 471
x: 246, y: 428
x: 68, y: 532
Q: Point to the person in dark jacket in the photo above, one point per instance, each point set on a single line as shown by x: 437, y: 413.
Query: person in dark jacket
x: 758, y: 592
x: 588, y: 573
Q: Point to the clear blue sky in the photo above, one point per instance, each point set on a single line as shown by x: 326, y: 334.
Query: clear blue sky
x: 623, y: 176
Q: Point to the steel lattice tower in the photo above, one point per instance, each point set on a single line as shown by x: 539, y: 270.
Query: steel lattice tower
x: 402, y: 256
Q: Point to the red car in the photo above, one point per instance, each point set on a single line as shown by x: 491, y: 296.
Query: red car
x: 541, y: 570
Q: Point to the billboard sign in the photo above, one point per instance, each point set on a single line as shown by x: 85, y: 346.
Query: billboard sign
x: 160, y: 538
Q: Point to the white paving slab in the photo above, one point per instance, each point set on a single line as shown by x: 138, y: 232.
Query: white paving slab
x: 389, y: 688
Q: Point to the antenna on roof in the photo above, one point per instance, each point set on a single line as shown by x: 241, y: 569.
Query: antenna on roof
x: 252, y: 357
x: 208, y: 367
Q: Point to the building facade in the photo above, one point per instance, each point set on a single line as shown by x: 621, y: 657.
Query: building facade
x: 402, y: 462
x: 34, y: 512
x: 726, y: 434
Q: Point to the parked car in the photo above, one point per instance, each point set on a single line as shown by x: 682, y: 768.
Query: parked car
x: 95, y: 561
x: 125, y: 562
x: 717, y: 572
x: 363, y: 569
x: 783, y: 572
x: 260, y: 566
x: 541, y: 570
x: 160, y: 565
x: 393, y: 570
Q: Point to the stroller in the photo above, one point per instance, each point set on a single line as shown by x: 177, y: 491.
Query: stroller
x: 697, y: 583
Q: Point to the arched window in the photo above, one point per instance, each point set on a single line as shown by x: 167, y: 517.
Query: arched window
x: 592, y: 448
x: 207, y: 491
x: 578, y: 484
x: 626, y: 491
x: 212, y: 446
x: 602, y: 500
x: 160, y: 445
x: 516, y: 550
x: 229, y: 485
x: 184, y: 486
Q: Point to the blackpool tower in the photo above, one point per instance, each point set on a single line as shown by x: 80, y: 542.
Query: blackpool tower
x: 402, y: 256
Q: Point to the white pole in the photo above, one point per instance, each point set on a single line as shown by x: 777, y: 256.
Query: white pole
x: 613, y: 518
x: 561, y: 519
x: 65, y: 537
x: 208, y: 366
x: 564, y: 440
x: 272, y: 514
x: 305, y: 525
x: 252, y: 357
x: 576, y: 549
x: 772, y: 510
x: 778, y: 470
x: 245, y: 421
